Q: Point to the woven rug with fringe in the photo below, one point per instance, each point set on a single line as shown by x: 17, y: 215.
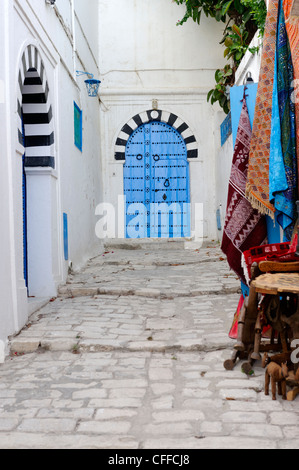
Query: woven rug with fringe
x: 257, y: 189
x: 244, y: 226
x: 286, y: 200
x: 292, y: 26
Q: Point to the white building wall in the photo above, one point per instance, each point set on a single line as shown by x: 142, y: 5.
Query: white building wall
x: 144, y: 56
x: 251, y: 63
x: 140, y: 55
x: 87, y: 25
x: 66, y: 42
x: 8, y: 283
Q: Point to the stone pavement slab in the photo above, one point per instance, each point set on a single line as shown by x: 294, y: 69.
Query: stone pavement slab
x: 163, y: 300
x: 102, y: 323
x: 156, y: 273
x: 142, y: 367
x: 145, y: 400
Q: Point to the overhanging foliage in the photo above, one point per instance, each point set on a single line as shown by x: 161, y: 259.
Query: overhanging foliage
x: 241, y: 19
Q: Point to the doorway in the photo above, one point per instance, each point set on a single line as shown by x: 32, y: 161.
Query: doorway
x: 36, y: 137
x: 156, y: 183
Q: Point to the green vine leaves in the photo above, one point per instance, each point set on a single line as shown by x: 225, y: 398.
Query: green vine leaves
x: 241, y: 19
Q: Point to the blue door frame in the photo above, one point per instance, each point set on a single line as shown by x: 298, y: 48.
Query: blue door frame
x: 24, y: 206
x: 156, y: 183
x: 25, y: 256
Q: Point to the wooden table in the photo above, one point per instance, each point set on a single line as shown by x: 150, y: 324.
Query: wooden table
x: 278, y: 283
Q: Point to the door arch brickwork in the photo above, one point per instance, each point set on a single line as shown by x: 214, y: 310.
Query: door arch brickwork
x: 159, y: 116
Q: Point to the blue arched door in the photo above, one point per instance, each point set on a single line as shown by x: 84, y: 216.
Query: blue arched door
x: 156, y: 183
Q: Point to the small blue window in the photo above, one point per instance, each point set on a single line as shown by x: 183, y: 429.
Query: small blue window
x: 78, y: 126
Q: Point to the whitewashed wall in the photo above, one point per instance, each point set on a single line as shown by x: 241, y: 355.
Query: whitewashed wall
x: 66, y: 38
x: 144, y: 56
x: 7, y: 272
x: 140, y: 55
x: 251, y: 62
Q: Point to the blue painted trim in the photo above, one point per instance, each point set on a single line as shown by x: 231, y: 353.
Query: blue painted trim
x: 78, y: 127
x: 65, y: 237
x: 218, y: 216
x: 25, y: 249
x: 226, y: 129
x: 24, y: 197
x: 236, y: 97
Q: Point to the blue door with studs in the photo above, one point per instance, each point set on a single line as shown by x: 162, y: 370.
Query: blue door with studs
x: 156, y: 183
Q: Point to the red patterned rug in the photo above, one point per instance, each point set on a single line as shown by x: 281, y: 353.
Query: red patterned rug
x: 244, y: 227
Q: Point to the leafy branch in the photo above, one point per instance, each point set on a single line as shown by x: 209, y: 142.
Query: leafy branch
x: 242, y: 19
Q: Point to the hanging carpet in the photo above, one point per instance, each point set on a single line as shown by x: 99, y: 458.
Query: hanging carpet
x: 257, y: 189
x: 285, y: 201
x: 292, y: 27
x: 283, y: 158
x: 244, y: 226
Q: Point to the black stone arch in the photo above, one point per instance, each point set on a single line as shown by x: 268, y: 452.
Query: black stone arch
x: 158, y: 116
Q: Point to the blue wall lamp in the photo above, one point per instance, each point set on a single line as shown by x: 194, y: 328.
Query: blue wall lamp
x: 92, y: 85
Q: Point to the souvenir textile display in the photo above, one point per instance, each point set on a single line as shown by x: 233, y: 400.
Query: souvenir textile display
x: 285, y: 200
x: 292, y: 27
x: 244, y: 226
x: 257, y: 189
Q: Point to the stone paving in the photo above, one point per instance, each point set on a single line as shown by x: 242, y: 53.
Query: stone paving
x: 130, y: 356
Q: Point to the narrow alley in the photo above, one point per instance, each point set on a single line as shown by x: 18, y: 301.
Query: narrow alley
x: 130, y: 356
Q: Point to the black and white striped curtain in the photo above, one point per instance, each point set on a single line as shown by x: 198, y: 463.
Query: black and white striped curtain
x: 35, y: 108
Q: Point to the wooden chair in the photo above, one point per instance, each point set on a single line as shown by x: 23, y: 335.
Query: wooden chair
x: 251, y: 323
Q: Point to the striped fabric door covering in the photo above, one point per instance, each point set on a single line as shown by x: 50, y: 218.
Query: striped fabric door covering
x: 33, y: 103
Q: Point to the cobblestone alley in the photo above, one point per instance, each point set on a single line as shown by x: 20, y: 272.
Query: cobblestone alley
x: 130, y: 356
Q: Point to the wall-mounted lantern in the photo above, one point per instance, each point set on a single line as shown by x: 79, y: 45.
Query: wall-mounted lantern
x: 92, y: 85
x: 248, y: 80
